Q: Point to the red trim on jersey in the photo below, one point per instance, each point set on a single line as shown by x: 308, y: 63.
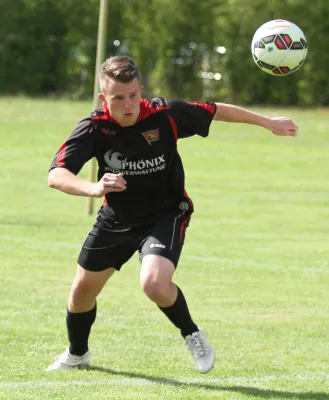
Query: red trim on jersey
x: 182, y: 227
x: 146, y: 110
x: 61, y: 155
x: 106, y: 115
x: 174, y: 127
x: 188, y: 199
x: 209, y: 107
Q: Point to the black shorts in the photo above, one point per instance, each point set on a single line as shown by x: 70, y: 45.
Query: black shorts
x: 106, y: 247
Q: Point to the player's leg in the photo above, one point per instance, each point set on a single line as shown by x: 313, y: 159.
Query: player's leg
x: 81, y: 314
x: 160, y: 253
x: 101, y: 249
x: 81, y: 310
x: 156, y: 282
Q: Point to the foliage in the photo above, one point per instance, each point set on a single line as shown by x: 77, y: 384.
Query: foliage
x: 49, y: 47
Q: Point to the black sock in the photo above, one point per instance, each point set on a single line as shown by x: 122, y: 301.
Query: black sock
x: 78, y: 330
x: 180, y: 316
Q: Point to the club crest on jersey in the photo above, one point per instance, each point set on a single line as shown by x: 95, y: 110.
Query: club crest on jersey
x: 151, y: 136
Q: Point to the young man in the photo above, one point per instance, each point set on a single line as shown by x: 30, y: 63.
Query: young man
x: 146, y: 207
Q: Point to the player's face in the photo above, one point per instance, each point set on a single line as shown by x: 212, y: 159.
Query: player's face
x: 123, y: 100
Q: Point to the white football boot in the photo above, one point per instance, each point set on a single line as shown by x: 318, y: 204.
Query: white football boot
x: 67, y: 360
x: 202, y: 352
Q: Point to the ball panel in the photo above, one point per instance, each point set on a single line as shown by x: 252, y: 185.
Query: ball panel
x: 268, y: 39
x: 280, y: 44
x: 286, y: 38
x: 296, y: 46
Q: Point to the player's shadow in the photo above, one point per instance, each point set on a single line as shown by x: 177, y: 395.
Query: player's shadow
x: 250, y: 391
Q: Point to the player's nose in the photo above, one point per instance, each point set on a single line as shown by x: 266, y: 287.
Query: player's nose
x: 127, y: 104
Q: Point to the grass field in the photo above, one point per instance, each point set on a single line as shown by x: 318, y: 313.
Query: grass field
x: 254, y: 269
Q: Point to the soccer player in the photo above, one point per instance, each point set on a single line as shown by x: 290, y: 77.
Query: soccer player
x: 146, y: 207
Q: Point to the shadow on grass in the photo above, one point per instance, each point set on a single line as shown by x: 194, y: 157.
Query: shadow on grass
x: 250, y: 391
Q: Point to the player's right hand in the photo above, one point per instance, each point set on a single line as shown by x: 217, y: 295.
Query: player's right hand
x: 110, y: 183
x: 282, y: 126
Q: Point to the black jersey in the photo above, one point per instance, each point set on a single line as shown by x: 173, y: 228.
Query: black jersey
x: 146, y: 154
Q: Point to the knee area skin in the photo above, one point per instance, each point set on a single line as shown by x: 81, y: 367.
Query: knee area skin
x: 161, y: 293
x: 82, y: 290
x: 86, y: 287
x: 156, y: 280
x: 82, y: 298
x: 152, y: 288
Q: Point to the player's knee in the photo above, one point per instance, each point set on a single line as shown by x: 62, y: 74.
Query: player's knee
x: 154, y: 289
x: 82, y: 291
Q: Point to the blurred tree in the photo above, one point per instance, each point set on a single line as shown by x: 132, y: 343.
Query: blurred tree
x: 169, y: 40
x: 33, y: 48
x: 82, y: 20
x: 181, y: 46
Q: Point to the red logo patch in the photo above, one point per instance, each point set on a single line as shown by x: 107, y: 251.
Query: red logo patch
x: 151, y: 136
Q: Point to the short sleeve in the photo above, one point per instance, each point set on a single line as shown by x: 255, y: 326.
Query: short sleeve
x: 191, y: 118
x: 77, y: 149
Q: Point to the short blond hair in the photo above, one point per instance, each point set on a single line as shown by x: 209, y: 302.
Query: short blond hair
x: 119, y: 68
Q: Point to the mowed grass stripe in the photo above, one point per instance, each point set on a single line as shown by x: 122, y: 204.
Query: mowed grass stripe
x: 151, y: 381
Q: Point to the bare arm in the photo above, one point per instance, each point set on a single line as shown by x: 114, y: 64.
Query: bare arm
x: 278, y: 125
x: 65, y: 181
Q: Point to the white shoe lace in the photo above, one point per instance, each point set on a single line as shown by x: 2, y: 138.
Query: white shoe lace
x: 197, y: 346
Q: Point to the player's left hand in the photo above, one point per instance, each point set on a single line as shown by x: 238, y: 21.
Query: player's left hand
x: 282, y: 126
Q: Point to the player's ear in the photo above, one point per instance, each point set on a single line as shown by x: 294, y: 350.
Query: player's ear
x: 141, y: 88
x: 102, y: 97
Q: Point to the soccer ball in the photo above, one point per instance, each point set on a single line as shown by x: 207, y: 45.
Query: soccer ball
x: 279, y: 47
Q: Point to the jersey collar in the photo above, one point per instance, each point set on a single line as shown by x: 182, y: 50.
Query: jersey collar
x: 146, y: 109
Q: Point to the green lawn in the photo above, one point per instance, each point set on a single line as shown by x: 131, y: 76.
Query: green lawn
x: 254, y: 269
